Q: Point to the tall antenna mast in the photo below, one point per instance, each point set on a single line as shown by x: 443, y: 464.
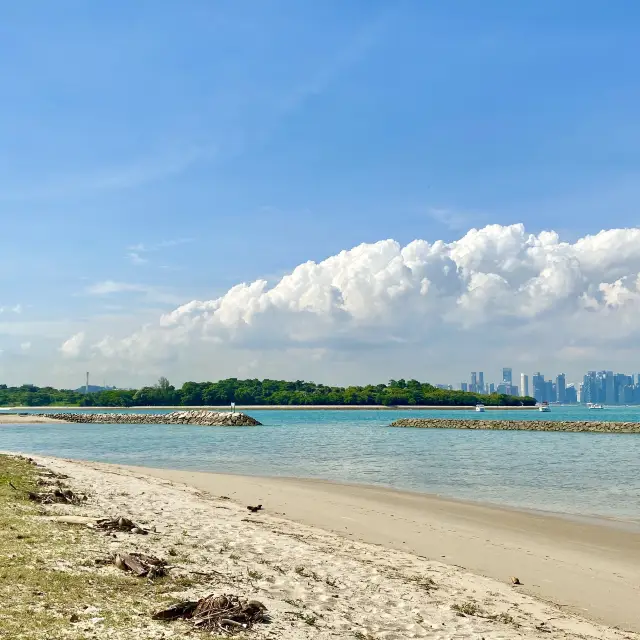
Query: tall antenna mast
x: 86, y: 389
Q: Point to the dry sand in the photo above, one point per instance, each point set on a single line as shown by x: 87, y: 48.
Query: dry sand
x: 7, y: 418
x: 330, y: 581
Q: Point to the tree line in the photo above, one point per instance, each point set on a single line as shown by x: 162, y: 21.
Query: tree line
x: 254, y: 392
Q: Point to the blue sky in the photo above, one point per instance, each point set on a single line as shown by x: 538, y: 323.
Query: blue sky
x: 158, y: 152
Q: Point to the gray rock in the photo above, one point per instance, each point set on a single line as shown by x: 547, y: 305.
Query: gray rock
x: 201, y: 417
x: 519, y: 425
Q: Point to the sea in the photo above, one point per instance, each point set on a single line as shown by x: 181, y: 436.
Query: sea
x: 592, y: 475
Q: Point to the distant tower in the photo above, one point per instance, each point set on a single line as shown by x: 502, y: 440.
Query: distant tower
x: 524, y: 384
x: 86, y: 389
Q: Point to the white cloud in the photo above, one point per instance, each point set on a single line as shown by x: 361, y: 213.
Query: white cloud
x: 17, y: 309
x: 157, y: 246
x: 25, y: 346
x: 136, y: 258
x: 136, y: 252
x: 72, y: 347
x: 110, y: 286
x: 497, y: 292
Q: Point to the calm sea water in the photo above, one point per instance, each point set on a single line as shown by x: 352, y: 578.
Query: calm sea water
x: 573, y: 473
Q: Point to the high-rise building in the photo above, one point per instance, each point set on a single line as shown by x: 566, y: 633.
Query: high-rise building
x: 464, y: 386
x: 610, y: 390
x: 481, y: 381
x: 508, y: 389
x: 589, y: 388
x: 492, y: 387
x: 570, y: 394
x: 620, y: 382
x: 561, y: 384
x: 538, y: 387
x: 524, y: 384
x: 507, y: 374
x: 627, y: 394
x: 549, y: 391
x: 473, y: 387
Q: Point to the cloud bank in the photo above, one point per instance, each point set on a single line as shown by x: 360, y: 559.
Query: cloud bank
x: 497, y: 289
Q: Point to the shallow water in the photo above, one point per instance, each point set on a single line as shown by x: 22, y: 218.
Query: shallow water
x: 575, y: 473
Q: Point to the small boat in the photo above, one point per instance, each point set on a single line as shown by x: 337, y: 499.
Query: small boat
x: 479, y: 407
x: 544, y: 406
x: 595, y: 406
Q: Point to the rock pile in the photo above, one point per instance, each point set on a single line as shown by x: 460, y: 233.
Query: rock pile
x: 201, y: 417
x: 520, y: 425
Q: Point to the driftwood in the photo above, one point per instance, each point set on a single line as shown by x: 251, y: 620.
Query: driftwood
x: 227, y: 613
x: 255, y: 509
x: 52, y: 474
x: 83, y: 520
x: 120, y: 524
x: 141, y: 564
x: 65, y: 496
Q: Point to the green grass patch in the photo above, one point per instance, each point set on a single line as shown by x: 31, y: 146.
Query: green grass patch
x: 50, y: 586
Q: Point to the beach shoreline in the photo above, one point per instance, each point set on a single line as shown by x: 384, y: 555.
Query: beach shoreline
x: 586, y: 567
x: 8, y: 418
x: 271, y: 407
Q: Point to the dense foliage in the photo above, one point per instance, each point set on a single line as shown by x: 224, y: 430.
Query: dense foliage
x: 253, y: 392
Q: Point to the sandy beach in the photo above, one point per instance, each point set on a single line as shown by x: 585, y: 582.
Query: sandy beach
x: 30, y: 419
x: 372, y: 563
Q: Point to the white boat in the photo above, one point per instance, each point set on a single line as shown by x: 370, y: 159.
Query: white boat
x: 595, y: 406
x: 479, y: 407
x: 544, y: 406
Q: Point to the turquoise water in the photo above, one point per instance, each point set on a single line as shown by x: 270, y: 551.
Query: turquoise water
x: 575, y: 473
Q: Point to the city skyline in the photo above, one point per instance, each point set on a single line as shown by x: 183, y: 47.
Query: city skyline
x: 595, y: 386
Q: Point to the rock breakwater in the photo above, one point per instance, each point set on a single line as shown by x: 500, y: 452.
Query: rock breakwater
x: 520, y: 425
x: 201, y: 418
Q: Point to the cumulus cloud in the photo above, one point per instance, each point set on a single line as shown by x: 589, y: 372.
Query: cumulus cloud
x: 498, y: 285
x: 72, y: 347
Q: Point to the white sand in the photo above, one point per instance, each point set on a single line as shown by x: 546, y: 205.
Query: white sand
x: 347, y: 588
x: 6, y: 418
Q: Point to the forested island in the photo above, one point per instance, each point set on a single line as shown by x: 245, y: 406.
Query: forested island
x: 253, y: 392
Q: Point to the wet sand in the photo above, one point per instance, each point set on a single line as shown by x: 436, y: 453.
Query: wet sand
x: 587, y: 567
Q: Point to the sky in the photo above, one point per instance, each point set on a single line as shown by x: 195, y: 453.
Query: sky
x: 339, y: 192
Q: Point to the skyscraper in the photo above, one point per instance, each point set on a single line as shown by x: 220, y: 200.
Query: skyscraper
x: 481, y: 381
x: 538, y: 387
x: 524, y: 384
x: 464, y: 386
x: 561, y: 385
x: 507, y: 374
x: 570, y: 394
x: 589, y: 388
x: 549, y: 391
x: 473, y: 387
x: 609, y: 389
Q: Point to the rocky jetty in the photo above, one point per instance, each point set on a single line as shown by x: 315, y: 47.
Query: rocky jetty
x: 201, y: 418
x: 520, y: 425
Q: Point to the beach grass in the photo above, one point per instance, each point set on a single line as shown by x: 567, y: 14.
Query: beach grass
x: 50, y: 585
